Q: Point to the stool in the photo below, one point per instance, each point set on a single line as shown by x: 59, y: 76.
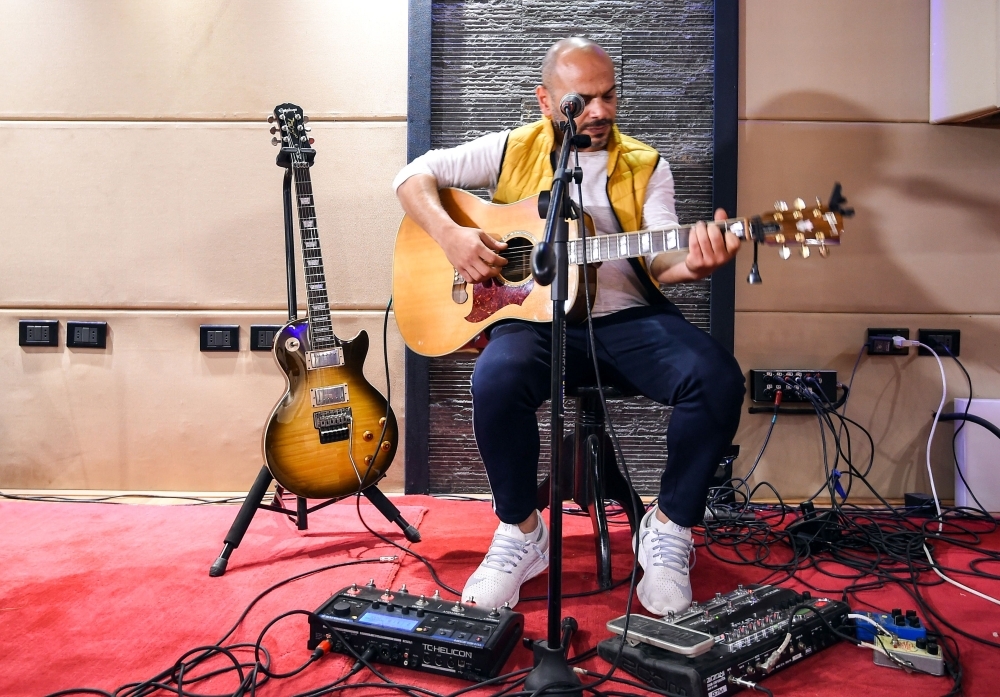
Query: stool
x: 589, y: 474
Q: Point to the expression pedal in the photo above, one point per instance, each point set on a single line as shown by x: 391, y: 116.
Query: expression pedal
x: 703, y: 651
x: 429, y: 634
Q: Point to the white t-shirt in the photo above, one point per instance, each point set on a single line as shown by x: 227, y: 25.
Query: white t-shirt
x: 476, y: 165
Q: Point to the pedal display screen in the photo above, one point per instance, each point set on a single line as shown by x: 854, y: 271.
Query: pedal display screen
x: 389, y: 621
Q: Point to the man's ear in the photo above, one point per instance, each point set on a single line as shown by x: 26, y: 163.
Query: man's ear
x: 544, y: 102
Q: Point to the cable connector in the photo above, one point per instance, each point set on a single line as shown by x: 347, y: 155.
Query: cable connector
x: 367, y: 656
x: 900, y: 342
x: 388, y: 558
x: 322, y: 649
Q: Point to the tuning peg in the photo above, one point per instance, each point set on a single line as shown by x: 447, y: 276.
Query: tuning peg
x: 270, y: 119
x: 784, y: 252
x: 805, y: 252
x: 305, y: 119
x: 824, y: 251
x: 780, y: 206
x: 308, y: 129
x: 275, y: 141
x: 274, y: 129
x: 799, y: 204
x: 311, y: 141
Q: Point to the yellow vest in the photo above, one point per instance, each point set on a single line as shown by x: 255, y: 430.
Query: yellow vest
x: 526, y: 169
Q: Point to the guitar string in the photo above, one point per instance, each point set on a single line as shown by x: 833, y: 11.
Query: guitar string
x: 303, y: 186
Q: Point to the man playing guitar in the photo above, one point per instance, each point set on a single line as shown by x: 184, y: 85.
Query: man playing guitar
x: 644, y: 344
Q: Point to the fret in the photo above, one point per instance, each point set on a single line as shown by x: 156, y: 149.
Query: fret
x: 318, y: 307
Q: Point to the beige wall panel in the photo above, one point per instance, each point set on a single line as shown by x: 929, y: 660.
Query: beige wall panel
x: 152, y: 411
x: 926, y: 237
x: 187, y: 215
x: 201, y: 59
x: 826, y: 60
x: 893, y: 397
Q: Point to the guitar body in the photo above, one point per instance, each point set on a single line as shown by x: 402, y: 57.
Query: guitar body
x: 437, y: 312
x: 320, y: 451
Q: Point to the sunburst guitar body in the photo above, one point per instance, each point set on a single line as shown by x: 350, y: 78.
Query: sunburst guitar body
x: 332, y: 434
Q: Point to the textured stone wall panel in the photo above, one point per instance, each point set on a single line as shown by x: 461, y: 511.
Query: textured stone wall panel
x: 486, y: 58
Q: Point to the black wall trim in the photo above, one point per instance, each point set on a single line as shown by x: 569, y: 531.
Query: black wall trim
x: 418, y: 141
x: 722, y: 309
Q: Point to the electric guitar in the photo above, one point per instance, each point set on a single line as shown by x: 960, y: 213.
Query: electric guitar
x: 438, y: 312
x: 332, y: 434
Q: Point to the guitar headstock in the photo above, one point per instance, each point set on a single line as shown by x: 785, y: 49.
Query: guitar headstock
x: 291, y: 133
x: 819, y: 226
x: 809, y: 226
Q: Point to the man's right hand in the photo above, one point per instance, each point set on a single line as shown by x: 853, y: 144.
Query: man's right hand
x: 472, y: 252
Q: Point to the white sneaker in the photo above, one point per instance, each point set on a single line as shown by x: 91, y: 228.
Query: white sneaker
x: 664, y: 551
x: 514, y: 557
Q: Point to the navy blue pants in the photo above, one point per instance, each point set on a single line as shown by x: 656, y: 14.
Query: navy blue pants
x: 652, y: 351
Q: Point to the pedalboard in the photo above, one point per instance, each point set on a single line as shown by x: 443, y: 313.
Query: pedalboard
x: 428, y: 634
x: 764, y: 384
x: 748, y: 625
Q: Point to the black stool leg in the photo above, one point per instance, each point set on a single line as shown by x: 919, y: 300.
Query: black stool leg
x: 617, y: 488
x: 239, y: 527
x: 594, y: 456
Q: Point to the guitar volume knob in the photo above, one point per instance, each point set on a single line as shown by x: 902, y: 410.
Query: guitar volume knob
x: 367, y: 435
x: 386, y: 446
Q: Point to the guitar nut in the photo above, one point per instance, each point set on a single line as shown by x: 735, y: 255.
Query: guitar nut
x: 367, y: 435
x: 386, y: 446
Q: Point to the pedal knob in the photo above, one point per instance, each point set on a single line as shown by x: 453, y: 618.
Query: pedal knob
x: 932, y: 648
x: 342, y: 609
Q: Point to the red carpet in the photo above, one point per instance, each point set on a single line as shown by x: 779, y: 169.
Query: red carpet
x: 102, y: 595
x: 99, y: 595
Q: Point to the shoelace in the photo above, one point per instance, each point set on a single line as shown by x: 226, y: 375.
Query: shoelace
x: 502, y: 552
x: 670, y: 551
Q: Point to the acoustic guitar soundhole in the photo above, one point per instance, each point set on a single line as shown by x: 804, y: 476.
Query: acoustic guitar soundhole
x: 518, y: 256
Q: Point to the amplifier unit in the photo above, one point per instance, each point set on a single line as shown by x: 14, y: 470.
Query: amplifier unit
x: 429, y: 634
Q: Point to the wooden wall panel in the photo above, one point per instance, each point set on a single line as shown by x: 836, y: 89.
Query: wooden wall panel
x: 152, y: 412
x: 187, y: 215
x: 201, y: 59
x: 834, y: 60
x: 925, y: 239
x: 894, y: 397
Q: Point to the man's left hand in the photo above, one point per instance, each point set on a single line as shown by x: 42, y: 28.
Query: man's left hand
x: 708, y: 249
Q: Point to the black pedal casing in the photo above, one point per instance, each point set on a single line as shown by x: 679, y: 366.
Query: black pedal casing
x: 428, y: 634
x: 748, y: 625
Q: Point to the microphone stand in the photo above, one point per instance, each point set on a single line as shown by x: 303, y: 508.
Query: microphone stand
x: 550, y: 264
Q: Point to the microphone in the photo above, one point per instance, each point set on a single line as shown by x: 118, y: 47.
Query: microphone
x: 572, y: 105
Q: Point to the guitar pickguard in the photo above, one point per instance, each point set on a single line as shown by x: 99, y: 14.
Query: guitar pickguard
x: 490, y: 297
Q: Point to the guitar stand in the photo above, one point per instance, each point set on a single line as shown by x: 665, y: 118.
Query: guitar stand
x: 255, y: 496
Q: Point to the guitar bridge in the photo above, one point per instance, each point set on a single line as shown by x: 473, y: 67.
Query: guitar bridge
x: 333, y: 424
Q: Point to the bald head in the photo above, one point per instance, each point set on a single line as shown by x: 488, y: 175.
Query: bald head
x: 563, y: 47
x: 581, y: 66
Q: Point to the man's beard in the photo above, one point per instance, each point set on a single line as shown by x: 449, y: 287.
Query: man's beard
x: 581, y: 127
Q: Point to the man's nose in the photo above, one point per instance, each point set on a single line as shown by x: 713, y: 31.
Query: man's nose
x: 596, y: 110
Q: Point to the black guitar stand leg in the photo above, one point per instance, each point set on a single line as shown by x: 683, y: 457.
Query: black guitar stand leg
x: 391, y: 513
x: 239, y: 527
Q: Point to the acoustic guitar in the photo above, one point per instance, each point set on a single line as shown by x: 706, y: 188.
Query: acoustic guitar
x: 332, y: 434
x: 438, y: 312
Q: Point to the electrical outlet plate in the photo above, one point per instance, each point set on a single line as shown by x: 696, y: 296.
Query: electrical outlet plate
x: 38, y: 332
x: 883, y: 346
x: 87, y: 334
x: 262, y: 336
x: 934, y: 337
x: 220, y: 337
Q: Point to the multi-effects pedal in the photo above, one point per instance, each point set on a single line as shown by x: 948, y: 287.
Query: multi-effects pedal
x: 737, y: 637
x: 413, y: 631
